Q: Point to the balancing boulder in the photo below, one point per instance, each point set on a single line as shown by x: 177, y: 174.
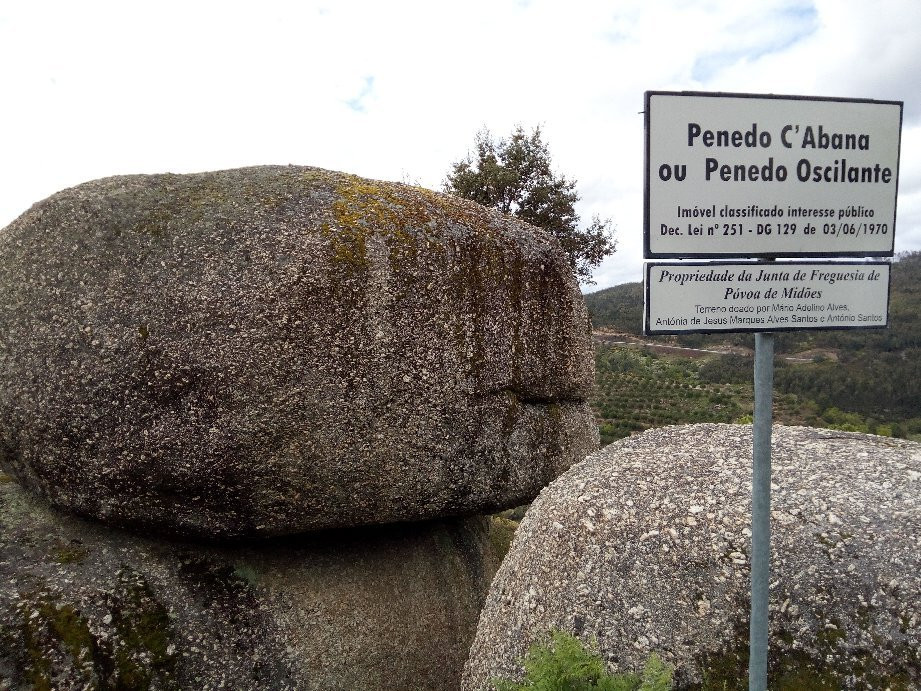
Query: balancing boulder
x: 279, y: 349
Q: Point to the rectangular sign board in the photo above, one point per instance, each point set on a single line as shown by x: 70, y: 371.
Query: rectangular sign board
x: 737, y: 175
x: 706, y: 297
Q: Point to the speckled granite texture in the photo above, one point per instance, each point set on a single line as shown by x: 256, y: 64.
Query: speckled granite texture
x: 271, y: 350
x: 83, y: 606
x: 644, y: 547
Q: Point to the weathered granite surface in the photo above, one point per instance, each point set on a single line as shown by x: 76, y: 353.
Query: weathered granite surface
x: 84, y: 606
x: 645, y: 545
x: 278, y: 349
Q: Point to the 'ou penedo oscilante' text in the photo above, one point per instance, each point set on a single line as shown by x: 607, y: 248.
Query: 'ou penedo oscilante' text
x: 807, y: 137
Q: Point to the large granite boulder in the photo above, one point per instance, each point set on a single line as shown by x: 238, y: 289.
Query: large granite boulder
x: 645, y: 548
x: 83, y: 606
x: 279, y: 349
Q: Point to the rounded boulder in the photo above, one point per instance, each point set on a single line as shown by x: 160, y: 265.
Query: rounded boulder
x: 279, y: 349
x: 644, y: 548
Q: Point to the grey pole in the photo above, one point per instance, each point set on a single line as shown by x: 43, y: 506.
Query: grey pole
x: 761, y: 512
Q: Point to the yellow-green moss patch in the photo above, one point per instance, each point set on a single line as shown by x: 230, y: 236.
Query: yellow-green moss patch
x: 501, y: 532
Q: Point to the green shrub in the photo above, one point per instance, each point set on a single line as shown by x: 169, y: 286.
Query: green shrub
x: 565, y: 664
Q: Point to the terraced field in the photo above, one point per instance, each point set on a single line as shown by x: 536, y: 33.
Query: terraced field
x: 636, y: 389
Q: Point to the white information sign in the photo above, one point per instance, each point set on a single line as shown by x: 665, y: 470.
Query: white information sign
x: 696, y: 297
x: 735, y: 175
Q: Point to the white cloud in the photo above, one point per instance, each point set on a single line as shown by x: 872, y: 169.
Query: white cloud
x: 102, y: 88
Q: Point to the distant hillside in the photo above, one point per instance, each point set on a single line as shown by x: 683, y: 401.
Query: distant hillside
x: 876, y: 372
x: 619, y: 308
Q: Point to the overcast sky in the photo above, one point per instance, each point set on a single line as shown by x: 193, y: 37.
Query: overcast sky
x: 397, y: 90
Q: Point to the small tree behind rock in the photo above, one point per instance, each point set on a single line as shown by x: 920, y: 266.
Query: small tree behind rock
x: 514, y: 176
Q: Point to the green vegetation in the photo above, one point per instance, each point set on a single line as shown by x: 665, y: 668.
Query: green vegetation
x: 565, y: 664
x: 856, y: 380
x: 501, y: 532
x: 515, y: 176
x: 619, y: 308
x: 246, y: 573
x: 637, y: 389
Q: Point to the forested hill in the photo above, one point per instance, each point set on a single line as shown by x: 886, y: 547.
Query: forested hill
x: 619, y: 308
x: 875, y: 372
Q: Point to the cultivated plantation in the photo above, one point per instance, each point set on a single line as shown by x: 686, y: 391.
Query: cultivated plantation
x: 860, y: 381
x: 639, y: 387
x: 637, y: 390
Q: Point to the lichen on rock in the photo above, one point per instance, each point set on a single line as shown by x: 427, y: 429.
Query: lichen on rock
x: 370, y: 608
x: 272, y: 350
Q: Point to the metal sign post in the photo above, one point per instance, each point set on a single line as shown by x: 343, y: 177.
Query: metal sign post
x: 749, y: 176
x: 761, y: 511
